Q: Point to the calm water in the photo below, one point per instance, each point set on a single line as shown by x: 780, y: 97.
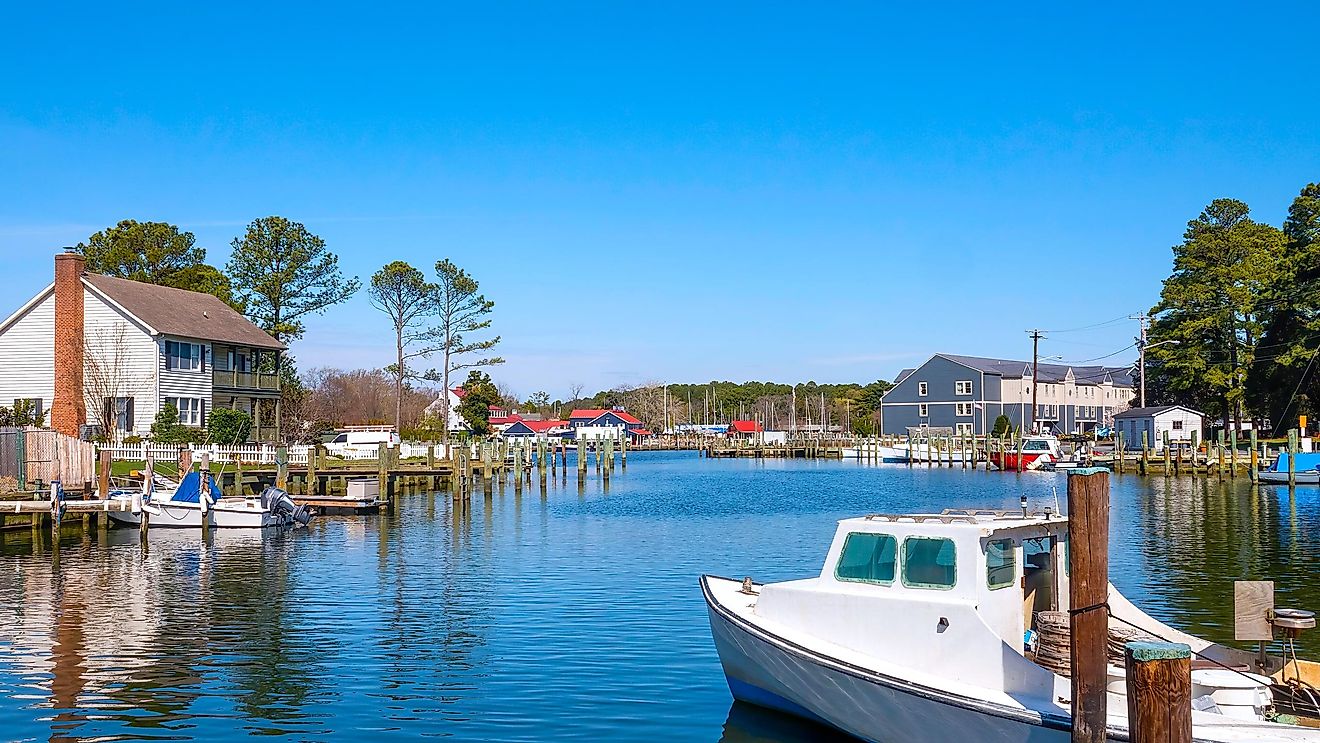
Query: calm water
x: 573, y: 615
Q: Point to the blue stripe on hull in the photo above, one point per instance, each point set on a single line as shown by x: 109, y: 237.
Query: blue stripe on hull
x: 745, y: 692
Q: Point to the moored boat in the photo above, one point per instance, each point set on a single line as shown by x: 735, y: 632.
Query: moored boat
x: 914, y: 630
x: 1033, y: 453
x: 1306, y: 469
x: 186, y: 506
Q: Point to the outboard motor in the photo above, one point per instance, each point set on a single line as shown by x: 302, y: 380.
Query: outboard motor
x: 278, y: 503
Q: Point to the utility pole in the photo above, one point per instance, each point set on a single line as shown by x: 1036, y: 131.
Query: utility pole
x: 1144, y: 319
x: 1035, y: 336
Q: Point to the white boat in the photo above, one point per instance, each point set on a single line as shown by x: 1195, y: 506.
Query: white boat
x: 182, y: 507
x: 914, y: 630
x: 921, y: 452
x: 1307, y: 469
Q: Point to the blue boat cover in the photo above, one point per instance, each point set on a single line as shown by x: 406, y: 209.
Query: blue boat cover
x: 1305, y: 461
x: 190, y: 490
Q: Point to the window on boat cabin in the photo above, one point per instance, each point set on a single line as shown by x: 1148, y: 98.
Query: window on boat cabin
x: 962, y: 387
x: 929, y: 562
x: 1035, y: 445
x: 923, y: 410
x: 921, y: 389
x: 867, y: 558
x: 1000, y: 563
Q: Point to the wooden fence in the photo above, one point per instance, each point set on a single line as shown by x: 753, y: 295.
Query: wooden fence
x: 38, y: 456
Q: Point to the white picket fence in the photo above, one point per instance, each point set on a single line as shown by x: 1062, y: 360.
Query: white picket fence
x: 249, y: 453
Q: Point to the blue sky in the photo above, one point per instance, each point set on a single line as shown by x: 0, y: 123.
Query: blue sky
x: 675, y: 192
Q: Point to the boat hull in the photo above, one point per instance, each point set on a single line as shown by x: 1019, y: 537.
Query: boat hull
x: 1308, y: 477
x: 775, y: 673
x: 1012, y: 461
x: 171, y: 515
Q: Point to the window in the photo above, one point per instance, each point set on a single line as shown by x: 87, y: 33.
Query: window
x: 183, y: 356
x: 962, y: 408
x: 929, y: 562
x: 119, y: 412
x: 34, y: 406
x: 922, y: 388
x: 1000, y: 563
x: 191, y: 412
x: 1035, y: 445
x: 964, y: 429
x: 867, y: 558
x: 962, y: 387
x: 1177, y: 425
x: 923, y: 410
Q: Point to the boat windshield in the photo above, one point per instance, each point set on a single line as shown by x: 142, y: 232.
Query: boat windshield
x: 1035, y: 445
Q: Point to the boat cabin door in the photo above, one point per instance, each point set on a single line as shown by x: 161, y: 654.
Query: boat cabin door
x: 1039, y: 583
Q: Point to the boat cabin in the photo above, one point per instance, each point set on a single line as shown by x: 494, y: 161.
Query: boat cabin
x: 1009, y: 566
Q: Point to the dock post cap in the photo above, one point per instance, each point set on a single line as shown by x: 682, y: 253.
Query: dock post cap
x: 1088, y: 471
x: 1148, y: 651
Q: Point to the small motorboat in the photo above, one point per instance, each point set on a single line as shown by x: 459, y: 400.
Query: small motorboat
x: 185, y: 506
x: 1307, y: 470
x: 933, y: 627
x: 1033, y: 453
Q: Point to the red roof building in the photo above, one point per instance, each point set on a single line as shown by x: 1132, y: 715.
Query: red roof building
x: 745, y: 428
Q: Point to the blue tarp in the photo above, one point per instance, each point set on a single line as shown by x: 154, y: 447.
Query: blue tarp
x: 190, y: 490
x: 1305, y: 461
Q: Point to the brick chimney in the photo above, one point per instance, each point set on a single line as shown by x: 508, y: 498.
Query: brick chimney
x: 68, y: 410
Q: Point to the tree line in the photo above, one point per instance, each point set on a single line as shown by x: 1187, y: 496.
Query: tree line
x: 1237, y: 327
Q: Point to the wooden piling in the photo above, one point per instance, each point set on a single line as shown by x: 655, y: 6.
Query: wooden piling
x: 104, y: 465
x: 1254, y: 473
x: 1159, y: 692
x: 1145, y: 452
x: 1088, y: 514
x: 1167, y: 454
x: 282, y: 467
x: 148, y: 485
x: 204, y: 493
x: 1292, y: 458
x: 1118, y: 450
x: 311, y: 486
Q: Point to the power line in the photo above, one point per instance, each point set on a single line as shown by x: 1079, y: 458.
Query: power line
x: 1088, y: 327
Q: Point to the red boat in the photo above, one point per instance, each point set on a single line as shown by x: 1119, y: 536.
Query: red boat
x: 1034, y: 452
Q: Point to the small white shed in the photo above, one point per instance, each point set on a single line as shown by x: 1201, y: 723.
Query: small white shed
x: 1177, y: 420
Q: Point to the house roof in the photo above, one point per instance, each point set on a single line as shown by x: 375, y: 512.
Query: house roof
x: 745, y: 427
x: 594, y: 413
x: 1153, y: 410
x: 904, y: 374
x: 504, y: 420
x: 542, y: 426
x: 1010, y: 369
x: 641, y: 432
x: 180, y: 312
x: 459, y: 392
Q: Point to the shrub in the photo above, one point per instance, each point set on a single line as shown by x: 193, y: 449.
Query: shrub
x: 167, y: 430
x: 229, y: 427
x: 1002, y: 426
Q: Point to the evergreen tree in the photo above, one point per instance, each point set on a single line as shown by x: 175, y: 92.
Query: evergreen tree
x: 155, y: 253
x: 1213, y: 306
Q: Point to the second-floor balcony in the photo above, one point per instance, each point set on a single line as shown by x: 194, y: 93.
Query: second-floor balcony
x: 245, y: 380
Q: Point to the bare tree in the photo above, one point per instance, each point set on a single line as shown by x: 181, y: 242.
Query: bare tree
x: 402, y: 293
x: 574, y: 391
x: 109, y: 376
x: 460, y: 311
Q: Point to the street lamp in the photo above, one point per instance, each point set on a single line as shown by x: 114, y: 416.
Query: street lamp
x: 1141, y: 365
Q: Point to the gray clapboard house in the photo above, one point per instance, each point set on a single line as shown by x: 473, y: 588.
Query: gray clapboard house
x: 967, y: 394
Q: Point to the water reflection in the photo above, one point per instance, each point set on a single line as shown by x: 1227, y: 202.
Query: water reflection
x: 749, y: 724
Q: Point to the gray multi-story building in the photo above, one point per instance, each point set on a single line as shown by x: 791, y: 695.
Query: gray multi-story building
x: 967, y: 394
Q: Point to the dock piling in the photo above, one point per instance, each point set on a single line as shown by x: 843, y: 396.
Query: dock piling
x: 1088, y: 512
x: 1159, y: 692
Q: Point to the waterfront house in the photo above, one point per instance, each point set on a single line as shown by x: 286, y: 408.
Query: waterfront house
x: 1180, y: 423
x: 967, y: 394
x: 540, y: 429
x: 602, y: 418
x: 103, y: 354
x: 436, y: 408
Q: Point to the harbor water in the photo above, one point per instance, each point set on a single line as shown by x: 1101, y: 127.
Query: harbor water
x: 572, y: 614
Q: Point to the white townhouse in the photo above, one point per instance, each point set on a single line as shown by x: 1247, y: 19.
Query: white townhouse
x: 107, y: 353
